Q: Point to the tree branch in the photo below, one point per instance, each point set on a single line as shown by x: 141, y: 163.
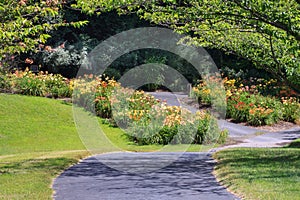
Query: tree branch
x: 264, y: 19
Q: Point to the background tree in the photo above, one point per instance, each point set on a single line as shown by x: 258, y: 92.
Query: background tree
x: 25, y: 24
x: 266, y: 32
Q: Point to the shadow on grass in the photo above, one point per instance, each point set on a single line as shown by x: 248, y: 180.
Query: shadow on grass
x: 51, y: 164
x: 294, y: 144
x: 255, y: 164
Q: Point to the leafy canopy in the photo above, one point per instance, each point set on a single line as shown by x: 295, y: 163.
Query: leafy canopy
x: 27, y: 23
x: 266, y: 32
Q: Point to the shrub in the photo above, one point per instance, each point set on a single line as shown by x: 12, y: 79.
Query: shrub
x: 56, y: 85
x: 94, y: 94
x: 202, y: 94
x: 291, y: 109
x: 254, y: 109
x: 27, y: 83
x: 145, y: 119
x: 223, y: 136
x: 208, y: 131
x: 245, y: 102
x: 174, y: 125
x: 238, y: 106
x: 4, y: 82
x: 41, y: 84
x: 268, y: 111
x: 209, y: 91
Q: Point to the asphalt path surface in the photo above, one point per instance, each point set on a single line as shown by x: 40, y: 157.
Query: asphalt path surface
x: 129, y: 176
x: 100, y: 178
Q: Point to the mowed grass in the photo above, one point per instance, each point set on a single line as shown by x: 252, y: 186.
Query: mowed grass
x: 39, y: 139
x: 33, y: 124
x: 260, y: 173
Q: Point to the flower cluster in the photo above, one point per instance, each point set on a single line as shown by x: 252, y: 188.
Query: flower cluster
x: 41, y: 84
x: 254, y: 101
x: 94, y: 93
x: 149, y: 121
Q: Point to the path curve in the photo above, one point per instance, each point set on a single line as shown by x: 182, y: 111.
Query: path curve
x: 190, y: 177
x: 247, y: 136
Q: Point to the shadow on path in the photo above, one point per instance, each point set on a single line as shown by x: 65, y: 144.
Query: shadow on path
x: 187, y: 178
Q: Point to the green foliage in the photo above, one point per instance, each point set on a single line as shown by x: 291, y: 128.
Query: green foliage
x: 94, y: 94
x: 145, y: 119
x: 265, y: 110
x: 254, y: 109
x: 42, y: 84
x: 26, y: 23
x: 265, y: 32
x: 252, y: 102
x: 291, y: 110
x: 28, y: 85
x: 4, y: 82
x: 66, y: 58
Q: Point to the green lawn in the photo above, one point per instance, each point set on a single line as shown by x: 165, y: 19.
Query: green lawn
x: 261, y: 173
x: 33, y: 124
x: 38, y: 140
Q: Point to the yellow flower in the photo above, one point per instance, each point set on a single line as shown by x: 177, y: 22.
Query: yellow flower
x: 228, y: 93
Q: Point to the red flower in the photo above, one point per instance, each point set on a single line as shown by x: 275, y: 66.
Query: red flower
x: 240, y: 105
x: 28, y: 61
x: 104, y: 84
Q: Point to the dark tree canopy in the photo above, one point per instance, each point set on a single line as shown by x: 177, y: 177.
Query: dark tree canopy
x: 27, y: 23
x: 266, y: 32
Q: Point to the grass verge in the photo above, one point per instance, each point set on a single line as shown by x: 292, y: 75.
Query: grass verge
x: 260, y: 173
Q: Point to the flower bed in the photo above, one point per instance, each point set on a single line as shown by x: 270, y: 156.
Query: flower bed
x: 41, y: 84
x: 252, y: 102
x: 145, y: 119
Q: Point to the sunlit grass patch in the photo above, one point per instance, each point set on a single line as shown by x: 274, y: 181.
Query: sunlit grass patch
x: 260, y: 173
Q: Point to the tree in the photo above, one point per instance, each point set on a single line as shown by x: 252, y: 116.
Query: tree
x: 266, y: 32
x: 25, y: 24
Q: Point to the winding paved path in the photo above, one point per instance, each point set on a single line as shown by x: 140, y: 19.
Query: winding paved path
x: 188, y: 178
x: 246, y: 136
x: 124, y: 176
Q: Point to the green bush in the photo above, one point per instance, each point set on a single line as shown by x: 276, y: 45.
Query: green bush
x: 254, y: 109
x: 238, y: 106
x: 5, y: 84
x: 247, y: 101
x: 94, y: 94
x: 28, y: 85
x: 202, y: 130
x: 291, y: 110
x: 41, y: 84
x: 57, y: 86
